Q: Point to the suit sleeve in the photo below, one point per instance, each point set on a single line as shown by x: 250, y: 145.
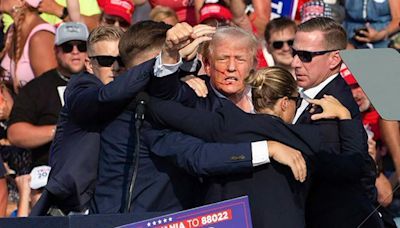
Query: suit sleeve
x: 367, y: 170
x: 89, y: 101
x: 166, y: 82
x: 197, y: 157
x: 196, y: 122
x: 353, y: 162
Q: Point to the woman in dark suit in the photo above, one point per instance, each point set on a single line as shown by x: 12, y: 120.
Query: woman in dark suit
x: 276, y: 198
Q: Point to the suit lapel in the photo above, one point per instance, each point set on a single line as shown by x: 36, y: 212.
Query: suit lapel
x: 305, y: 117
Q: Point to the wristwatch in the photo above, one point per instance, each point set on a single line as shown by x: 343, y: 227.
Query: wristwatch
x: 64, y: 13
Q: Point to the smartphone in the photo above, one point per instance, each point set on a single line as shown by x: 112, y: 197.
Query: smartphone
x: 358, y: 31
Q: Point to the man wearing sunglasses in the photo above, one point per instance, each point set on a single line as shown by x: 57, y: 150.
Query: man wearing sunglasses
x: 156, y: 173
x: 76, y: 140
x: 95, y: 103
x: 279, y: 36
x: 116, y: 13
x: 316, y: 62
x: 35, y: 112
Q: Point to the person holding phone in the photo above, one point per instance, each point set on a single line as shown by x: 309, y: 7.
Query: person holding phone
x: 370, y: 23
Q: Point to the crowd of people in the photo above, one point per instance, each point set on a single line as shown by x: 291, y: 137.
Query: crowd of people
x: 238, y: 102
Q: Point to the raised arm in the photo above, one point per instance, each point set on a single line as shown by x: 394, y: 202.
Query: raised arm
x: 181, y: 43
x: 176, y: 116
x: 240, y: 18
x: 89, y: 101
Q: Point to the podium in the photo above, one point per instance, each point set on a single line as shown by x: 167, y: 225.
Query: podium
x: 225, y: 214
x: 75, y: 221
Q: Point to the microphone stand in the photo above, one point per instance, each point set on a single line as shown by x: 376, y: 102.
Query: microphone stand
x: 138, y: 123
x: 134, y: 175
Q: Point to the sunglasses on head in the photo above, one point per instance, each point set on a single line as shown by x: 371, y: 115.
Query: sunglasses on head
x: 69, y: 46
x: 298, y: 100
x: 307, y: 56
x: 107, y: 60
x: 279, y: 44
x: 111, y: 21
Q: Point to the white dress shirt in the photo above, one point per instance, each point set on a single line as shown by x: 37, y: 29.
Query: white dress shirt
x: 310, y: 94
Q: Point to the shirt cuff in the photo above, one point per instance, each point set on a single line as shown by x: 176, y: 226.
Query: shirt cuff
x: 260, y: 153
x: 162, y: 70
x: 190, y: 66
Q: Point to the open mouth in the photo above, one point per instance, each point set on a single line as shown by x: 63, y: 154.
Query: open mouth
x: 231, y: 79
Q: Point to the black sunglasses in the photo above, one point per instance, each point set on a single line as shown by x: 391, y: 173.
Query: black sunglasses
x: 298, y: 100
x: 279, y: 44
x: 307, y: 56
x: 107, y: 60
x: 111, y: 21
x: 69, y: 46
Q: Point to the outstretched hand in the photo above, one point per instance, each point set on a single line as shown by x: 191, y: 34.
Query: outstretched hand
x: 290, y: 157
x: 332, y: 108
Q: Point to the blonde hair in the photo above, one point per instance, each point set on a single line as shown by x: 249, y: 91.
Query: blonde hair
x: 103, y: 33
x: 270, y: 84
x: 159, y: 13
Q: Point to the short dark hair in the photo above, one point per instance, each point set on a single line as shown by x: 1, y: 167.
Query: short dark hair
x: 141, y: 36
x: 334, y: 33
x: 278, y: 24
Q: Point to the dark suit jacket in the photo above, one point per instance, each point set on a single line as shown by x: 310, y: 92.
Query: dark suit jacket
x: 161, y: 187
x: 228, y: 186
x: 343, y: 201
x: 89, y: 104
x: 230, y: 124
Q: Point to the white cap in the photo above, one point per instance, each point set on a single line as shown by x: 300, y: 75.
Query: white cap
x: 39, y: 176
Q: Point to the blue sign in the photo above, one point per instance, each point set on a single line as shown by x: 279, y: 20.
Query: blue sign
x: 225, y: 214
x: 283, y: 8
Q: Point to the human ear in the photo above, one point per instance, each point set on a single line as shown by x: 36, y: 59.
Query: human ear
x: 335, y: 60
x: 284, y: 103
x: 207, y: 66
x: 89, y: 65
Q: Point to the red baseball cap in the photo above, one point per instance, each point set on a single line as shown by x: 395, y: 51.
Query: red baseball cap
x: 121, y: 8
x: 214, y: 11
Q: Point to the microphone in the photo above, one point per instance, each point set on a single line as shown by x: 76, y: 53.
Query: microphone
x: 141, y: 101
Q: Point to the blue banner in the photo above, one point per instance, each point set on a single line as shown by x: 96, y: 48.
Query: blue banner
x: 225, y: 214
x: 283, y: 8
